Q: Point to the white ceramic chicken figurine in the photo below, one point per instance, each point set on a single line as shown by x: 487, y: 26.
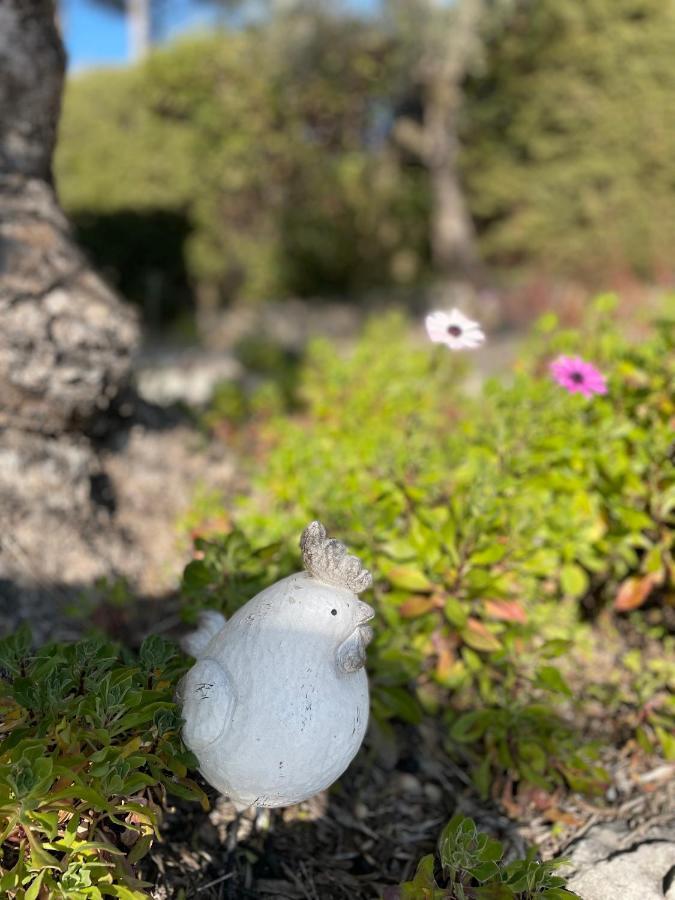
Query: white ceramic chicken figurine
x: 276, y: 706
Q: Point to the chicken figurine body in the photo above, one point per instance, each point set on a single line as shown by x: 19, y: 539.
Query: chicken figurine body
x: 276, y: 706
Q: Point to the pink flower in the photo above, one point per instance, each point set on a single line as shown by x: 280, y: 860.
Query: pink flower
x: 454, y: 329
x: 578, y: 376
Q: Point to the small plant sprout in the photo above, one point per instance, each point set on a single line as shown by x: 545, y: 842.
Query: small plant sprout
x: 454, y: 329
x: 578, y: 376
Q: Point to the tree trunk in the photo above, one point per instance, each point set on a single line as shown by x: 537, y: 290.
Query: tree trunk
x: 449, y: 38
x: 452, y: 234
x: 139, y: 23
x: 65, y: 339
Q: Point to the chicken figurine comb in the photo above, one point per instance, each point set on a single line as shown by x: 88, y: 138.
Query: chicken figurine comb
x: 276, y: 706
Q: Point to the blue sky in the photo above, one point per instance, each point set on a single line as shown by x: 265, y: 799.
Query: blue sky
x: 95, y: 35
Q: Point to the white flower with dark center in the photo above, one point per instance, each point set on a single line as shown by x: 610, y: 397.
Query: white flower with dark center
x: 454, y: 329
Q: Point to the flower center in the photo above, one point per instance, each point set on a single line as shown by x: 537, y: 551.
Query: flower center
x: 454, y: 330
x: 577, y: 377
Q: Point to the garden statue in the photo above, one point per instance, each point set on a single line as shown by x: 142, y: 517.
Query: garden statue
x: 276, y: 705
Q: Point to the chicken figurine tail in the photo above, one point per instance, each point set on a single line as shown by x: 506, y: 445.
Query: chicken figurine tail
x: 276, y: 705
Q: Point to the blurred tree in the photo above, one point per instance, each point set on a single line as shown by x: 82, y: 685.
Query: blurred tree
x: 355, y: 215
x: 65, y: 340
x: 442, y: 41
x: 570, y: 138
x: 282, y: 169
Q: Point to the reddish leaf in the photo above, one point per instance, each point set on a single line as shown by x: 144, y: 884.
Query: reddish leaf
x: 476, y: 635
x: 445, y: 650
x: 505, y: 611
x: 634, y: 592
x: 417, y: 605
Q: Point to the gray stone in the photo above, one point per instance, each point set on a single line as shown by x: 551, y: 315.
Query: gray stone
x: 184, y: 376
x: 607, y: 866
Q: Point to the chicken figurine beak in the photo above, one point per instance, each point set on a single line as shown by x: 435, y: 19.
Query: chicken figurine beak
x: 276, y: 705
x: 351, y: 654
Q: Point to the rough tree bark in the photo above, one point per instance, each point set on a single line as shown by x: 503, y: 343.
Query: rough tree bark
x: 65, y: 341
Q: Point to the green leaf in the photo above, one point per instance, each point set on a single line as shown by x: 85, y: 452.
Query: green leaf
x: 489, y: 555
x: 139, y: 717
x: 82, y: 792
x: 494, y: 892
x: 124, y: 893
x: 471, y: 726
x: 605, y: 303
x: 478, y: 636
x: 409, y: 578
x: 455, y: 612
x: 140, y: 848
x: 399, y: 702
x: 156, y: 652
x: 40, y: 858
x: 197, y: 575
x: 424, y: 880
x: 188, y: 790
x: 485, y: 871
x: 555, y: 647
x: 33, y: 891
x: 573, y: 580
x: 482, y: 779
x: 549, y: 677
x: 667, y: 741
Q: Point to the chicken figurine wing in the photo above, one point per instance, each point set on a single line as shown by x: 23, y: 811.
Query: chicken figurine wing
x: 276, y: 706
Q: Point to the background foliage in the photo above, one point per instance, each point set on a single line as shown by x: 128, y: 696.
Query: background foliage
x: 270, y: 153
x: 569, y: 137
x: 276, y: 171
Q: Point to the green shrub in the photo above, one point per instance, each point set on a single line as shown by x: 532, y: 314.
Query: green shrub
x: 89, y: 748
x: 490, y: 524
x: 469, y: 866
x: 264, y: 173
x: 569, y: 137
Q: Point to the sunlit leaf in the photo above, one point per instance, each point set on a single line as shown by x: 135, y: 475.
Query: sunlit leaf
x: 478, y: 636
x: 505, y: 611
x: 634, y: 592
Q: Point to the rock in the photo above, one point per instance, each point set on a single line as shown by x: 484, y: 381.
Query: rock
x: 289, y: 324
x: 408, y: 784
x: 155, y: 471
x: 635, y: 875
x: 184, y: 376
x: 607, y: 866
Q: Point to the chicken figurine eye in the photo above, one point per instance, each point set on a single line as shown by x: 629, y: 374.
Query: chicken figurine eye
x: 276, y: 706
